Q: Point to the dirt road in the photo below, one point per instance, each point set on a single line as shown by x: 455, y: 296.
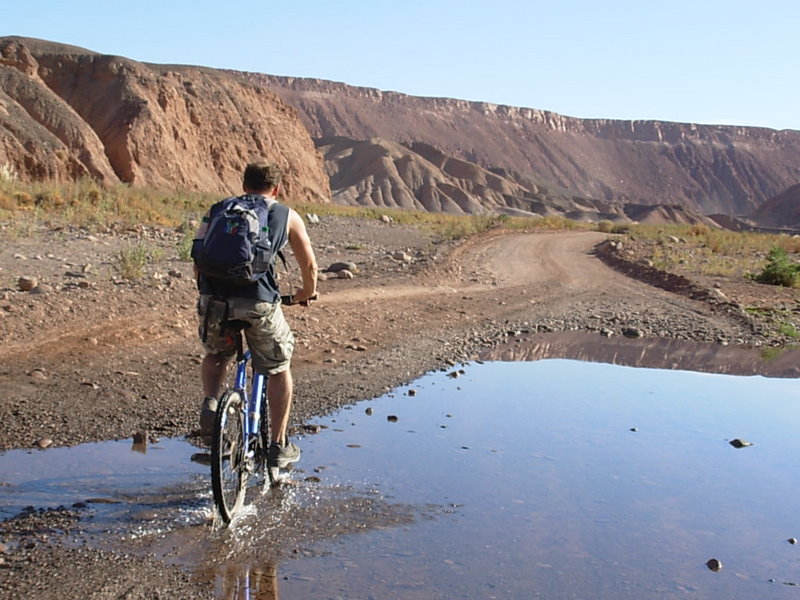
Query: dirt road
x: 116, y: 357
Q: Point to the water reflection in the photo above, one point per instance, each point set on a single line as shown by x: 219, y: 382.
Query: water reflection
x: 552, y: 479
x: 114, y: 477
x: 653, y: 353
x: 236, y: 582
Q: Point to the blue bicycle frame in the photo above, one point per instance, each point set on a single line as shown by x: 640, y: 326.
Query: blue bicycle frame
x: 252, y: 401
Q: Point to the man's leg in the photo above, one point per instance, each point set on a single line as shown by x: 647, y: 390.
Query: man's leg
x: 212, y: 373
x: 279, y: 394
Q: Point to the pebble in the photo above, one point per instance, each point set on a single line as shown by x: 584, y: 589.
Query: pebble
x: 342, y: 266
x: 26, y: 284
x: 412, y: 392
x: 38, y: 374
x: 737, y: 443
x: 792, y: 541
x: 44, y: 443
x: 392, y: 418
x: 632, y: 332
x: 714, y: 564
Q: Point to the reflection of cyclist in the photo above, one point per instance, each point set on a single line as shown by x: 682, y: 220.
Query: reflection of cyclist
x: 258, y: 304
x: 256, y: 583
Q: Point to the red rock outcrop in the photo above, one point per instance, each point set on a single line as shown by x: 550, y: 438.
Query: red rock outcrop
x: 706, y: 168
x: 66, y: 112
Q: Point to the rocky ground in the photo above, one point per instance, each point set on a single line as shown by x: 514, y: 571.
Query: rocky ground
x: 88, y: 355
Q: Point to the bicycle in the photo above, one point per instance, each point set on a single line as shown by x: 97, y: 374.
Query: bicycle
x: 240, y: 441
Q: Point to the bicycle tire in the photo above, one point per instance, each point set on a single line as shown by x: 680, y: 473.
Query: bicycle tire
x: 270, y: 474
x: 228, y: 470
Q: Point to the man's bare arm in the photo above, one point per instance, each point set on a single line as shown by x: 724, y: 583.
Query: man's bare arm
x: 304, y: 254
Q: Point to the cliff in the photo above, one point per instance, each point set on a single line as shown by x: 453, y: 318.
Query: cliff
x: 704, y: 168
x: 66, y: 112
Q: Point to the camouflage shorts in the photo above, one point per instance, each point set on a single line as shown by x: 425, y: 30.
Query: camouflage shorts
x: 268, y: 336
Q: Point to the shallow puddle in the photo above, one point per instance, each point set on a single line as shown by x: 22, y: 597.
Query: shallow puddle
x: 550, y: 479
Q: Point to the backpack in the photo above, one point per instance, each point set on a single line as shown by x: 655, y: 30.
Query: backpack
x: 233, y: 243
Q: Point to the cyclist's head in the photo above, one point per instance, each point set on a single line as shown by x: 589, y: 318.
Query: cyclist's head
x: 261, y: 177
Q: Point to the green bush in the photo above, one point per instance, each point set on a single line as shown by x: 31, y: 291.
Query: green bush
x: 779, y: 270
x: 130, y: 262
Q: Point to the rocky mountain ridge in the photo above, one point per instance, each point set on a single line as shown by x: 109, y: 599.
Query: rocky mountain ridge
x: 704, y: 168
x: 67, y: 113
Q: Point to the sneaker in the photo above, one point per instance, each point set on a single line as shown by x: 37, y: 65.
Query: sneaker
x: 281, y: 456
x: 208, y: 414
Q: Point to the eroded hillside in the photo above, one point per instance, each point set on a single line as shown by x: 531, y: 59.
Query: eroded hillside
x: 706, y: 169
x: 66, y: 112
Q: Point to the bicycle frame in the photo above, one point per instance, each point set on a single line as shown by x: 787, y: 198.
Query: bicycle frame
x: 252, y: 400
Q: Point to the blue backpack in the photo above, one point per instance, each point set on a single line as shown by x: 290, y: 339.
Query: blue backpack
x: 233, y: 243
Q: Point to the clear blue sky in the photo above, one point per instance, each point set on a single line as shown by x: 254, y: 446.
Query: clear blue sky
x: 703, y: 61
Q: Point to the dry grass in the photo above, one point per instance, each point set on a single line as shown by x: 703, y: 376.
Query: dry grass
x: 86, y: 204
x: 701, y: 249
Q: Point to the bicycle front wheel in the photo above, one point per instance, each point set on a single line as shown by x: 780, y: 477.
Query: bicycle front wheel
x: 228, y: 468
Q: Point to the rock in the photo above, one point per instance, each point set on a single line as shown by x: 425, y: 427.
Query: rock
x: 606, y: 332
x: 140, y: 437
x: 402, y: 256
x: 312, y: 479
x: 26, y: 284
x: 792, y: 541
x: 368, y: 411
x: 738, y: 443
x: 42, y: 288
x: 84, y: 285
x: 632, y: 332
x: 312, y: 218
x: 312, y: 428
x: 43, y: 443
x: 673, y: 239
x: 714, y: 564
x: 412, y: 392
x: 175, y: 274
x: 454, y: 374
x: 40, y: 374
x: 342, y: 266
x: 345, y: 274
x: 387, y: 219
x: 392, y: 418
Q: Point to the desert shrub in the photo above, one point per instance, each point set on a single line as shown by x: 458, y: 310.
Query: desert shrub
x: 699, y: 230
x: 779, y: 270
x: 605, y: 226
x: 130, y: 261
x: 8, y: 172
x: 184, y: 245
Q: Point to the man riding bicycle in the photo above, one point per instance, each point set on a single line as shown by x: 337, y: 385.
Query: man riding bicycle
x: 256, y: 307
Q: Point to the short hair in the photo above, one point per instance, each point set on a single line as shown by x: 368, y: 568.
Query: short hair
x: 262, y: 176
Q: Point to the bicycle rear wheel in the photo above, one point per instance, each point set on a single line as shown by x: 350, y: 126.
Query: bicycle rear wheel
x: 228, y: 468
